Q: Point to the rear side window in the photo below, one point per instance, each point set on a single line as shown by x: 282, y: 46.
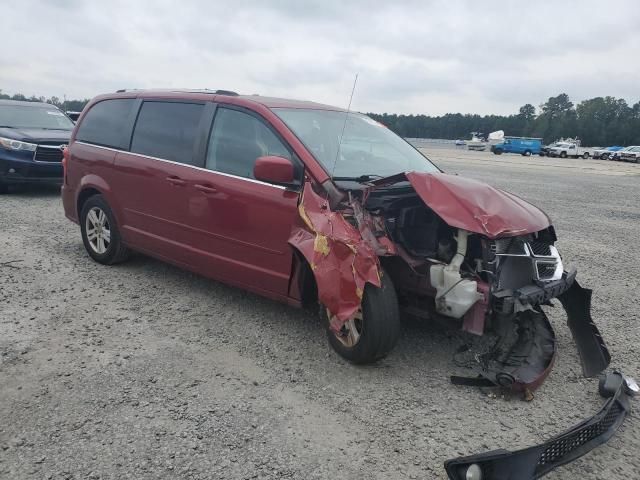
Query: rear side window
x: 237, y: 140
x: 106, y: 123
x: 167, y: 130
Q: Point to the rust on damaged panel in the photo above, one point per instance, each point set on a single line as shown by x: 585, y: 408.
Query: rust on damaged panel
x: 341, y: 260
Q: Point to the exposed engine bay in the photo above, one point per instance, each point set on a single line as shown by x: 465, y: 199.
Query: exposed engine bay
x: 466, y: 254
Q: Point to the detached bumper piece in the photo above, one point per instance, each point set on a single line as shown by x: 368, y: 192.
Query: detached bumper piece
x: 594, y: 355
x: 534, y: 462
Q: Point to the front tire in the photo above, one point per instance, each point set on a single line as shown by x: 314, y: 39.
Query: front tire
x: 373, y: 333
x: 497, y: 151
x: 527, y: 153
x: 100, y: 233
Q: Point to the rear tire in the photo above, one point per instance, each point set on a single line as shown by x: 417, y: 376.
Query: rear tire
x: 497, y: 151
x: 585, y: 155
x: 379, y: 327
x: 527, y: 153
x: 100, y: 233
x: 563, y: 154
x: 604, y: 156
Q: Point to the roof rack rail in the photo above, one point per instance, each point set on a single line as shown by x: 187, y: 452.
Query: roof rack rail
x: 226, y: 92
x: 206, y: 90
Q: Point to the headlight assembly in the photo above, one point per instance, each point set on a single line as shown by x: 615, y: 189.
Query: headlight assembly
x: 11, y: 144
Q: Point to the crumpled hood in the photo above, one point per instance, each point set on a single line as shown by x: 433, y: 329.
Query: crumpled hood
x: 477, y: 207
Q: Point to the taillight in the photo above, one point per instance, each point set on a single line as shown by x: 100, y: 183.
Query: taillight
x: 65, y: 157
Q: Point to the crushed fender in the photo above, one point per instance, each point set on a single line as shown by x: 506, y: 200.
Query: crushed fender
x: 342, y: 262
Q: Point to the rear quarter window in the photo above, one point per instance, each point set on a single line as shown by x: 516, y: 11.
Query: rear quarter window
x: 167, y: 130
x: 106, y: 123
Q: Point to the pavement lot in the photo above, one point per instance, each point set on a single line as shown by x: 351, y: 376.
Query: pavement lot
x: 146, y: 371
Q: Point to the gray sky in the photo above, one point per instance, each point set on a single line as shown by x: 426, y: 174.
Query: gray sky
x: 424, y: 56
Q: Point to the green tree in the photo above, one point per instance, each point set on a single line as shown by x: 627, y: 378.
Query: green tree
x: 527, y: 112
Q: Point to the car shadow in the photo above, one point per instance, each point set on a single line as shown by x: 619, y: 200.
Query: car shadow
x: 33, y: 191
x: 420, y: 340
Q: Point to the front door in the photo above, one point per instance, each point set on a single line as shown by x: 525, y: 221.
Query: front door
x: 243, y: 224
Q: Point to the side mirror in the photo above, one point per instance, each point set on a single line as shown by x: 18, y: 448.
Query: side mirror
x: 273, y: 169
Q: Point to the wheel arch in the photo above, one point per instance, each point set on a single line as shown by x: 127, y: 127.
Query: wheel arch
x: 83, y: 196
x: 302, y: 282
x: 94, y: 185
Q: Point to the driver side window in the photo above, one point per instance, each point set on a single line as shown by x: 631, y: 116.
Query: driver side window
x: 237, y: 140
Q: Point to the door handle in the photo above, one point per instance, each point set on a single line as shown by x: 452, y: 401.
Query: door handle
x: 205, y: 188
x: 176, y: 180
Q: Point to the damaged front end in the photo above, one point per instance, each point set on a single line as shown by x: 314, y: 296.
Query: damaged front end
x: 457, y: 251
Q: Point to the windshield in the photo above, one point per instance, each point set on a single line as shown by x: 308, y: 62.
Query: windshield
x: 23, y: 116
x: 368, y: 148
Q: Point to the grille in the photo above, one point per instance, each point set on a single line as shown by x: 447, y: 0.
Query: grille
x: 546, y: 270
x: 509, y: 246
x: 515, y: 272
x: 563, y: 446
x: 540, y: 249
x: 48, y: 154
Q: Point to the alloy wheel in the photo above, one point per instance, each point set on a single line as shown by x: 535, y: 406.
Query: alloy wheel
x: 351, y: 332
x: 98, y: 230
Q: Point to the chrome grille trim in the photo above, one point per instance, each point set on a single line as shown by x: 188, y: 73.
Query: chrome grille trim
x: 48, y: 153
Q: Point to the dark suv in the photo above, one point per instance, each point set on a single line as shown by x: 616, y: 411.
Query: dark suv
x: 32, y: 136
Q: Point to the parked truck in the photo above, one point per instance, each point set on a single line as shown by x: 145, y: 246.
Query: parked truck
x: 571, y: 149
x: 523, y: 145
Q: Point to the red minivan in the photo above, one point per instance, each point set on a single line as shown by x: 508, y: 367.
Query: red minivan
x: 312, y: 205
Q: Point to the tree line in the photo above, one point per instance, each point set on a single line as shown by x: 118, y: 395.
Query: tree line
x: 62, y: 104
x: 599, y: 121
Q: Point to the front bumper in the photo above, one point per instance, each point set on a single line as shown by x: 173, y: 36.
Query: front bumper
x: 535, y: 294
x: 15, y: 170
x: 534, y: 462
x: 526, y: 350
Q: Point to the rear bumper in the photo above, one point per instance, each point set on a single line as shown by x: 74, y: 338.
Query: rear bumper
x: 534, y: 462
x: 69, y: 203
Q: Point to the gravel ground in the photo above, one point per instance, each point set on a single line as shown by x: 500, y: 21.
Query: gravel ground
x: 146, y: 371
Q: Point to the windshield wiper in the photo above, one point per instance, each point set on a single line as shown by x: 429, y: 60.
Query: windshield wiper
x: 359, y: 179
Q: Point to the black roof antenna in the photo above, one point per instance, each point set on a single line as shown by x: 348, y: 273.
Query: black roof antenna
x: 344, y: 125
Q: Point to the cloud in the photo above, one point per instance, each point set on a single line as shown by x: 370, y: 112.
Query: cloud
x: 412, y: 57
